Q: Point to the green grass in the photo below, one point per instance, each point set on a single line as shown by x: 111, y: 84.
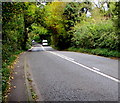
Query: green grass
x: 97, y: 51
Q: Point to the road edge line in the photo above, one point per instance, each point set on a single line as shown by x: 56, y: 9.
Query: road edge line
x: 90, y: 69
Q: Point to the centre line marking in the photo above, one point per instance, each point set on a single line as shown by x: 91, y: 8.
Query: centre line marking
x: 95, y: 70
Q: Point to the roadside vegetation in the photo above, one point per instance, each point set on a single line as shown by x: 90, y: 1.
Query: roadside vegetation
x: 97, y: 51
x: 71, y: 28
x: 83, y: 27
x: 15, y: 21
x: 97, y: 38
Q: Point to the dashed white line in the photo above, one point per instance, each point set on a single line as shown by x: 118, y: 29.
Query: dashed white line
x: 95, y: 70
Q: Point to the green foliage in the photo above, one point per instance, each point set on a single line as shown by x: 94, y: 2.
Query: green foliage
x: 37, y: 29
x: 17, y: 17
x: 6, y: 70
x: 59, y: 18
x: 23, y: 22
x: 12, y: 36
x: 97, y: 51
x: 74, y: 12
x: 14, y: 33
x: 29, y: 11
x: 99, y: 35
x: 5, y: 78
x: 71, y: 14
x: 116, y: 17
x: 53, y: 19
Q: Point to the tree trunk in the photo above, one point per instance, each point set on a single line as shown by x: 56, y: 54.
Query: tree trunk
x: 25, y: 35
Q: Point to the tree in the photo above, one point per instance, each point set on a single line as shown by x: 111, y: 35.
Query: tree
x: 17, y: 17
x: 29, y: 18
x: 74, y: 13
x: 53, y: 19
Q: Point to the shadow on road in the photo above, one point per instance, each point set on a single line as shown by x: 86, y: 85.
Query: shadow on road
x: 39, y: 48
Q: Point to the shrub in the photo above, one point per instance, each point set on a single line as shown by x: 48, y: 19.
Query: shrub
x: 99, y: 35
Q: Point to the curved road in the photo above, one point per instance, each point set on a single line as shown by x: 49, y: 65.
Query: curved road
x: 71, y: 76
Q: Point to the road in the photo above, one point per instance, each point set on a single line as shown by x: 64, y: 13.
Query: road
x: 72, y: 76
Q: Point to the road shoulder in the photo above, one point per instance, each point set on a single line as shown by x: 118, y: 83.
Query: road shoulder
x: 18, y: 85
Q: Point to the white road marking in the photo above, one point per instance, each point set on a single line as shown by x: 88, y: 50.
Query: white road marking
x: 95, y: 70
x: 36, y: 48
x: 62, y: 56
x: 43, y: 48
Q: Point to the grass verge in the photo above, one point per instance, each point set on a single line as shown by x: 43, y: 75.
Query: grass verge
x: 97, y: 51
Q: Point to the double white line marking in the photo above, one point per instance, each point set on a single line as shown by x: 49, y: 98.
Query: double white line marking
x: 95, y: 70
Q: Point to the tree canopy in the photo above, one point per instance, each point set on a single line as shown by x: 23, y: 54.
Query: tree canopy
x: 63, y: 24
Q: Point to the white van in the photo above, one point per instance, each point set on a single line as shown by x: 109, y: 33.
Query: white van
x: 44, y: 42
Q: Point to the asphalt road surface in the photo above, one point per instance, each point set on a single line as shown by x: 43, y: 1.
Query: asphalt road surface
x: 71, y: 76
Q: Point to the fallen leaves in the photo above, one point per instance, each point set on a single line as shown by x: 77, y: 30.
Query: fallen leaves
x: 14, y: 87
x: 12, y: 77
x: 16, y: 73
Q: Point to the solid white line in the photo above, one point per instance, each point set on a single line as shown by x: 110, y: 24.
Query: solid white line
x: 62, y: 56
x: 43, y: 48
x: 93, y: 70
x: 96, y: 69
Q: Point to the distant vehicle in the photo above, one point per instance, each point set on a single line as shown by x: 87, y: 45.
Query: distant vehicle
x: 33, y: 42
x: 44, y: 42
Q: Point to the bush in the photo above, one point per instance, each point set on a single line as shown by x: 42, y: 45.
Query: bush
x: 99, y: 35
x: 97, y: 51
